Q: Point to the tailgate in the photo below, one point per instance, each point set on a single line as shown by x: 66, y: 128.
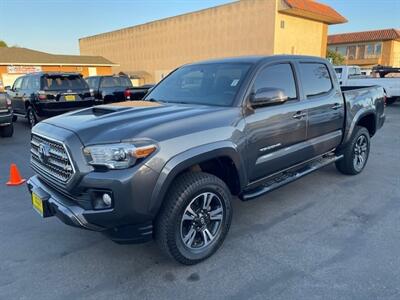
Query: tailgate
x: 67, y: 96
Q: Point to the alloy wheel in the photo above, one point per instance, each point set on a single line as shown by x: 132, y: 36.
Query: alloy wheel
x: 201, y: 221
x: 360, y: 152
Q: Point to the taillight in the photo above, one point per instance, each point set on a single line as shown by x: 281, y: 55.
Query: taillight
x: 127, y: 94
x: 42, y: 95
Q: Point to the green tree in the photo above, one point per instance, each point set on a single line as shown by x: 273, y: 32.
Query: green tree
x: 335, y: 57
x: 3, y: 44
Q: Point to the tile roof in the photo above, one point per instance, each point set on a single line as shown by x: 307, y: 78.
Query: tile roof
x: 317, y: 8
x: 364, y: 36
x: 24, y: 56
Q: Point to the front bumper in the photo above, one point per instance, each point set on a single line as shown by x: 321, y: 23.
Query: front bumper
x: 59, y: 205
x: 71, y: 213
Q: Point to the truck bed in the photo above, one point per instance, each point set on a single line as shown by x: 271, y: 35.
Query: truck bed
x: 363, y: 99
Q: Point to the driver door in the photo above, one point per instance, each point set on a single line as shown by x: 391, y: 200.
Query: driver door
x: 275, y: 134
x: 16, y: 96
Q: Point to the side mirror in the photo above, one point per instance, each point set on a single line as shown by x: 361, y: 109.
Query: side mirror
x: 7, y: 88
x: 268, y: 96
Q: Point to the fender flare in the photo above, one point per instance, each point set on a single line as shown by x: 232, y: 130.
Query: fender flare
x: 188, y: 158
x: 359, y: 115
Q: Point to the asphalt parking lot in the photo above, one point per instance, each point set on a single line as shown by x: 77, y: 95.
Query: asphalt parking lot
x: 326, y: 236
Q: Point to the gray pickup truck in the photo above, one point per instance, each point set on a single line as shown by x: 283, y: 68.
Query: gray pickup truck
x: 6, y: 116
x: 167, y: 167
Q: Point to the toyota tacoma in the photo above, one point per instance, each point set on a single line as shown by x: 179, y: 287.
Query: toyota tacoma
x: 166, y: 167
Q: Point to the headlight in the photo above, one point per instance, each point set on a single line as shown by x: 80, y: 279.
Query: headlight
x: 117, y: 156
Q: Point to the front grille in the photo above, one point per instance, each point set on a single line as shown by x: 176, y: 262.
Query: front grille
x: 56, y: 165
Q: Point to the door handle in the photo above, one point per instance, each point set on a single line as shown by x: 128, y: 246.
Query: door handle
x: 336, y: 106
x: 299, y: 115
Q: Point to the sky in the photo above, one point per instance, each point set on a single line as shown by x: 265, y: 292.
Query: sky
x: 56, y: 25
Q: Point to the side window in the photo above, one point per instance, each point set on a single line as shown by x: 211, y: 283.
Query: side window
x: 25, y: 83
x: 315, y: 78
x: 90, y: 82
x: 107, y: 82
x: 35, y: 83
x: 277, y: 76
x: 18, y: 83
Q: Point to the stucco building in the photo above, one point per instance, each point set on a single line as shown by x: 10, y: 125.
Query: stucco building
x: 368, y: 48
x: 15, y: 62
x: 246, y: 27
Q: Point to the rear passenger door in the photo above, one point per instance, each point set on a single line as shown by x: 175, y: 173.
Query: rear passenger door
x: 325, y: 106
x: 275, y: 134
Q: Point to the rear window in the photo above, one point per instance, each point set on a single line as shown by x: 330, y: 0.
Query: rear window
x: 63, y: 82
x: 107, y: 82
x: 315, y: 78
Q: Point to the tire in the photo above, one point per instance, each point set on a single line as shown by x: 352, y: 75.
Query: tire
x: 14, y: 118
x: 185, y: 230
x: 31, y: 115
x: 356, y: 153
x: 7, y: 131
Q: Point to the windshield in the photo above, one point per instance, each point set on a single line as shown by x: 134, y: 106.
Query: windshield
x: 209, y: 84
x: 63, y: 82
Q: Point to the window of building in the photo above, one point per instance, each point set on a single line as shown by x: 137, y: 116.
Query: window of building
x: 342, y: 50
x: 352, y: 52
x: 370, y: 50
x: 282, y: 24
x: 277, y: 76
x: 360, y: 51
x: 378, y: 48
x: 316, y: 79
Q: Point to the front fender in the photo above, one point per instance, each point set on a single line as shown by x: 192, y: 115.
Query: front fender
x: 184, y: 160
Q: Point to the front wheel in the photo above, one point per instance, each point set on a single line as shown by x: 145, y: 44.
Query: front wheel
x: 195, y: 217
x: 356, y: 153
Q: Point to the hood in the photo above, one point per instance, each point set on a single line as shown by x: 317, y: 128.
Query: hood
x: 138, y: 119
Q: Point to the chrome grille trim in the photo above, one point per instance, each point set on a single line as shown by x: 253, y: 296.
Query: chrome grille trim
x: 59, y: 166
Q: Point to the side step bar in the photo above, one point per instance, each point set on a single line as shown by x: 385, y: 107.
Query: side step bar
x: 289, y: 176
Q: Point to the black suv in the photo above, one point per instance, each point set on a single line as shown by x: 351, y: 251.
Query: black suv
x: 41, y: 95
x: 109, y: 89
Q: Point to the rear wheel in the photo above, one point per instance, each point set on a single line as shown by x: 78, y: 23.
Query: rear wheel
x: 7, y: 131
x: 356, y: 153
x: 31, y: 115
x: 195, y: 217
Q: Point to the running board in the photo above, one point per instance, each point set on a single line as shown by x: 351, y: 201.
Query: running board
x: 288, y: 176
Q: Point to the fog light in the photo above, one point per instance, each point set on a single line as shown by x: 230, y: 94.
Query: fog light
x: 101, y: 199
x: 107, y: 200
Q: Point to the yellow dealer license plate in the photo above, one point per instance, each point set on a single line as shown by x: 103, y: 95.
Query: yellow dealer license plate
x: 70, y: 97
x: 37, y: 204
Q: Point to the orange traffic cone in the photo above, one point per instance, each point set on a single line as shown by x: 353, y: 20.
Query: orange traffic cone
x: 15, y: 177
